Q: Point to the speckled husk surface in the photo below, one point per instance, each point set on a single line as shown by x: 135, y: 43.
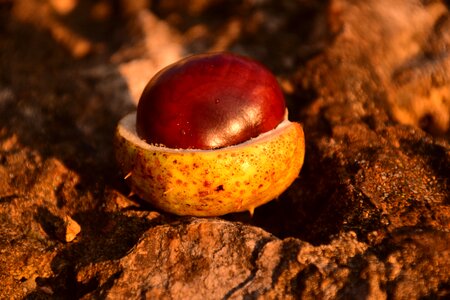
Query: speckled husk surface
x: 367, y: 218
x: 211, y: 182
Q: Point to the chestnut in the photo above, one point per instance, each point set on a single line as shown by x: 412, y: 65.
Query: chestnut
x: 209, y: 101
x: 210, y: 137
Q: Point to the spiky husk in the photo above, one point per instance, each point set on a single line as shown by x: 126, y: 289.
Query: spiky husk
x: 211, y: 182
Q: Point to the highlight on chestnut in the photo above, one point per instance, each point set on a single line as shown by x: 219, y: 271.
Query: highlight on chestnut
x: 210, y: 136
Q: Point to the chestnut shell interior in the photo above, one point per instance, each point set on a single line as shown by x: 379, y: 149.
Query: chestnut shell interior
x: 128, y: 129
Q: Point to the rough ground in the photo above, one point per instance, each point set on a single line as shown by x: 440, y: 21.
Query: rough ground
x: 368, y: 217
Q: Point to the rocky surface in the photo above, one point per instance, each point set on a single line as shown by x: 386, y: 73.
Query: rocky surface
x: 368, y: 217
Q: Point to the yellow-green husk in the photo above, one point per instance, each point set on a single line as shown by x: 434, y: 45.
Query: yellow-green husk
x: 211, y: 182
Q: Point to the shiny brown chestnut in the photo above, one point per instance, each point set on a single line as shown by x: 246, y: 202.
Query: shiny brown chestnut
x: 209, y: 101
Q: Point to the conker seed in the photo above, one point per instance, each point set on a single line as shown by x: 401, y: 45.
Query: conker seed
x: 209, y: 101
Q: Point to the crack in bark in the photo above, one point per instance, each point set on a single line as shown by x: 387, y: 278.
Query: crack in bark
x: 254, y: 257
